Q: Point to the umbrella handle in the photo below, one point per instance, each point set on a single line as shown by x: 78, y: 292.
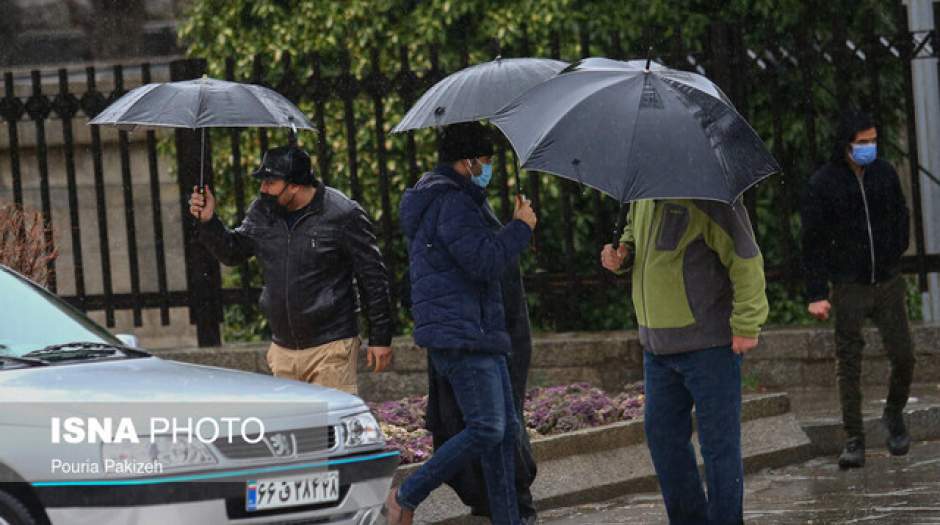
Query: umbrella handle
x: 515, y: 170
x: 202, y: 163
x: 621, y: 218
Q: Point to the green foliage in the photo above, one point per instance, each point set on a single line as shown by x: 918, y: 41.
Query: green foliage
x: 915, y: 303
x: 793, y: 107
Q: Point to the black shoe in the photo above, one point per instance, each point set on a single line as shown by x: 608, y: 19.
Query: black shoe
x: 531, y: 519
x: 899, y: 441
x: 853, y: 455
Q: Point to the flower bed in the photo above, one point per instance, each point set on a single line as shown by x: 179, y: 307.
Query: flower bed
x: 548, y: 411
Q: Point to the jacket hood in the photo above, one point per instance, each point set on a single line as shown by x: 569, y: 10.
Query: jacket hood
x: 416, y: 200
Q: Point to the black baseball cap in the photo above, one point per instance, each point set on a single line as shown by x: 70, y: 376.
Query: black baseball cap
x: 286, y: 162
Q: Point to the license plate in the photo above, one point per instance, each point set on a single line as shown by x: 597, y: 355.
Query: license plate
x: 289, y: 491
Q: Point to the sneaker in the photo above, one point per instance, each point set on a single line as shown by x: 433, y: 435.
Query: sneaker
x: 853, y: 455
x: 899, y: 441
x: 394, y: 513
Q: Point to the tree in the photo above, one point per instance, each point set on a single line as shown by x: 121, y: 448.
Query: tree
x: 785, y: 62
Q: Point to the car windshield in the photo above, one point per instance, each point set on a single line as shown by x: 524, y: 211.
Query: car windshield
x: 33, y: 318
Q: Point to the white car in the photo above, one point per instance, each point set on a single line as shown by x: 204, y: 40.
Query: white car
x: 94, y: 431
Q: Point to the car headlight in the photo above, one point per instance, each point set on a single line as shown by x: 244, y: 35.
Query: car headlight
x: 362, y: 429
x: 160, y: 450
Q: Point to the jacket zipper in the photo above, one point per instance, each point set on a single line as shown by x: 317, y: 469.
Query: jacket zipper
x: 646, y: 254
x: 871, y: 236
x: 290, y: 324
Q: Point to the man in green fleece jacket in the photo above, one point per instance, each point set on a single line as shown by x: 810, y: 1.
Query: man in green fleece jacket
x: 699, y: 294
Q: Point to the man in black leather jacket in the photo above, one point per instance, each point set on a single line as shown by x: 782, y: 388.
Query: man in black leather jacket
x: 313, y: 243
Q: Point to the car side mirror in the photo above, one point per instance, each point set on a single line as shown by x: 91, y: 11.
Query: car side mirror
x: 128, y: 340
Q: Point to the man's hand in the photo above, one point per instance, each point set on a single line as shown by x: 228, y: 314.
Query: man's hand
x: 380, y: 356
x: 742, y: 345
x: 613, y: 259
x: 524, y: 212
x: 202, y: 206
x: 820, y: 309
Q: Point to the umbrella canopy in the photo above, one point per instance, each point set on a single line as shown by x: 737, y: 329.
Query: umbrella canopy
x: 202, y: 103
x: 478, y: 91
x: 636, y: 132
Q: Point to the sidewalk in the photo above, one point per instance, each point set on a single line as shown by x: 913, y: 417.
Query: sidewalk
x: 888, y: 490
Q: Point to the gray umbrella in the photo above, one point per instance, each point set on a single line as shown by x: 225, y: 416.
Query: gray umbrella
x: 637, y: 130
x: 477, y: 92
x: 202, y: 103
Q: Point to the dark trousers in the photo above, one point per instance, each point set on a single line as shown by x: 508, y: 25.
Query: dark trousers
x: 885, y: 304
x: 444, y: 420
x: 480, y: 382
x: 709, y: 380
x: 526, y: 468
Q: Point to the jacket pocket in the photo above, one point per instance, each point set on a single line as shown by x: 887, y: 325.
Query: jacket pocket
x: 673, y: 226
x: 436, y: 257
x: 321, y: 246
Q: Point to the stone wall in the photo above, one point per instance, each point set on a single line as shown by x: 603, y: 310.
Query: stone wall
x: 789, y: 357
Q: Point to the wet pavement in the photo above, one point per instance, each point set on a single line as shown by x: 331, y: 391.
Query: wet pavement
x: 889, y: 490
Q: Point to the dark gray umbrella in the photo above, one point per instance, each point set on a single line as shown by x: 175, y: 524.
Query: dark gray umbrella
x: 636, y: 130
x: 202, y: 103
x: 477, y: 92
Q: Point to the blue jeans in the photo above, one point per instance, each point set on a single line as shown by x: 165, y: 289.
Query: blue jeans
x: 711, y: 381
x: 481, y: 386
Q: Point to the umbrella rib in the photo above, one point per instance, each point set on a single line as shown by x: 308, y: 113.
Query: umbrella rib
x: 636, y: 122
x: 669, y: 84
x: 614, y: 80
x: 144, y: 92
x: 421, y: 114
x: 261, y: 101
x: 718, y: 157
x: 202, y: 102
x: 275, y: 112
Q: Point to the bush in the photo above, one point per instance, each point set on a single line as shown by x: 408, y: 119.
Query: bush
x: 23, y: 245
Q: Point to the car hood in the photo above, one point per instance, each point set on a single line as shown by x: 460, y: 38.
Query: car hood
x: 151, y: 379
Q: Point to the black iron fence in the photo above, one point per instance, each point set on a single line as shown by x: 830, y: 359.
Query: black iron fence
x: 785, y: 88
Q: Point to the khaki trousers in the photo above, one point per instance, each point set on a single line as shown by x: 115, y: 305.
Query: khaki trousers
x: 331, y: 365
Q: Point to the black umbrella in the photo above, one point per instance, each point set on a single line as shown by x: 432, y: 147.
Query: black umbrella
x: 637, y: 130
x: 477, y: 92
x: 202, y: 103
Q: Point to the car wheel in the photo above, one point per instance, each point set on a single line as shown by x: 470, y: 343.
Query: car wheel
x: 13, y: 512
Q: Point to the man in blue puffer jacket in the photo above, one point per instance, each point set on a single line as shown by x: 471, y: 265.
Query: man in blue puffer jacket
x: 456, y: 260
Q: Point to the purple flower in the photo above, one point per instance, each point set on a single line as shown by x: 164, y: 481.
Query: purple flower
x: 547, y: 410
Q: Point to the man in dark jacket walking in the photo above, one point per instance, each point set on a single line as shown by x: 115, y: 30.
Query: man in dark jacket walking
x: 444, y: 418
x: 456, y: 261
x: 855, y: 229
x: 311, y: 242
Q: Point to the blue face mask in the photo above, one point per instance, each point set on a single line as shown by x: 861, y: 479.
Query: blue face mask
x: 483, y: 179
x: 864, y: 154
